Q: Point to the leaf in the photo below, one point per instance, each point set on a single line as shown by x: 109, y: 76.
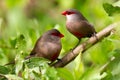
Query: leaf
x: 65, y: 74
x: 36, y: 62
x: 13, y: 42
x: 21, y: 43
x: 92, y: 73
x: 20, y: 49
x: 110, y: 9
x: 117, y: 3
x: 19, y: 63
x: 4, y: 70
x: 37, y: 75
x: 101, y: 51
x: 113, y: 68
x: 49, y: 73
x: 13, y: 77
x: 38, y: 69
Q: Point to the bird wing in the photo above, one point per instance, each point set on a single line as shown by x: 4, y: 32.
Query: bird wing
x: 33, y: 52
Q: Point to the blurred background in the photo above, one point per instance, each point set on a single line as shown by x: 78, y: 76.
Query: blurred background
x: 22, y: 22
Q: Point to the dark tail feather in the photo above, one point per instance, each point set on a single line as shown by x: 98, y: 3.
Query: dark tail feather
x: 32, y: 54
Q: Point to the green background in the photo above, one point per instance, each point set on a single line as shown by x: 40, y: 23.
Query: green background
x: 22, y: 22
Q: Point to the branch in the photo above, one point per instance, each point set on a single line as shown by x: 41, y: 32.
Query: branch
x: 84, y: 46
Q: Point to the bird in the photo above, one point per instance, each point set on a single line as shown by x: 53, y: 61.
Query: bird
x: 48, y: 45
x: 78, y: 25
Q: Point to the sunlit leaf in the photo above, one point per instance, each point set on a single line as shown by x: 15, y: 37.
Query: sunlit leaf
x: 19, y: 63
x: 13, y: 77
x: 110, y: 9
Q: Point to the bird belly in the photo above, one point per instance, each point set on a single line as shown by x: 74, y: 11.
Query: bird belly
x: 76, y: 31
x: 49, y: 50
x: 80, y: 29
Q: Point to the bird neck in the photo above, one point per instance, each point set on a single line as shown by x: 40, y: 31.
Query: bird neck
x: 72, y: 18
x: 75, y: 17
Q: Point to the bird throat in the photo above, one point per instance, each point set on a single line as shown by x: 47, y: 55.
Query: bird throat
x: 72, y: 17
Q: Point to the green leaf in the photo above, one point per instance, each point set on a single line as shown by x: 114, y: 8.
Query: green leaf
x: 20, y: 42
x: 65, y: 74
x: 4, y: 70
x: 110, y: 9
x: 38, y: 69
x: 13, y: 42
x: 19, y: 63
x: 101, y: 51
x: 113, y: 68
x: 49, y: 73
x: 37, y: 75
x: 36, y: 62
x: 13, y: 77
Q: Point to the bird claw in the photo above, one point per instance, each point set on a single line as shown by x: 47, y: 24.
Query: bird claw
x: 58, y: 59
x: 51, y: 63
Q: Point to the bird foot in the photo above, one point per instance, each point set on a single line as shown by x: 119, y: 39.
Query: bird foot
x: 95, y: 36
x: 51, y: 63
x: 72, y: 51
x: 59, y: 59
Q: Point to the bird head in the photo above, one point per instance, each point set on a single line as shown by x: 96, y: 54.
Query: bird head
x: 56, y: 33
x: 73, y: 14
x: 68, y: 12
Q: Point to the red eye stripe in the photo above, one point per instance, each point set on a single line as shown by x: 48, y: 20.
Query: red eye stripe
x: 58, y: 34
x: 67, y: 13
x: 70, y: 13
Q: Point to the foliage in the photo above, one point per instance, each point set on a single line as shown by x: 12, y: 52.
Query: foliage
x: 23, y: 22
x: 111, y: 9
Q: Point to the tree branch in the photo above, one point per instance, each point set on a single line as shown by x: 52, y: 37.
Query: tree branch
x: 84, y: 46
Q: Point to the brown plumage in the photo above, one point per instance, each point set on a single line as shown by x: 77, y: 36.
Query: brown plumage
x: 78, y: 25
x: 48, y: 45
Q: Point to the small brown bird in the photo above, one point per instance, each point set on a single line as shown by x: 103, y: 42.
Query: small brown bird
x: 48, y: 45
x: 78, y: 25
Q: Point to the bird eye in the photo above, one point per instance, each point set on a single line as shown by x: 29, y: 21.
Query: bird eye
x: 58, y: 34
x: 55, y: 34
x: 68, y: 13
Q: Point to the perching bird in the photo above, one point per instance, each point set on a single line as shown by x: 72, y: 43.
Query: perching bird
x: 48, y: 45
x: 78, y: 25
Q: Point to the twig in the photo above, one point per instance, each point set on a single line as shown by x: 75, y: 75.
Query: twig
x: 103, y: 68
x: 2, y: 76
x: 84, y: 46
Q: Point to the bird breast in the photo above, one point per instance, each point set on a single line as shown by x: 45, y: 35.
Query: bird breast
x: 80, y: 28
x: 49, y: 50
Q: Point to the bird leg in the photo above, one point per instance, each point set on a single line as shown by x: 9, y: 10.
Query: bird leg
x: 77, y: 44
x: 94, y: 34
x: 58, y: 59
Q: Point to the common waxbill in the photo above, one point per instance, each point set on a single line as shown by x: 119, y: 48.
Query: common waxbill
x: 48, y: 45
x: 78, y: 25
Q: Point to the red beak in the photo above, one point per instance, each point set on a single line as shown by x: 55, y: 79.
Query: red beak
x: 61, y: 35
x: 64, y: 13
